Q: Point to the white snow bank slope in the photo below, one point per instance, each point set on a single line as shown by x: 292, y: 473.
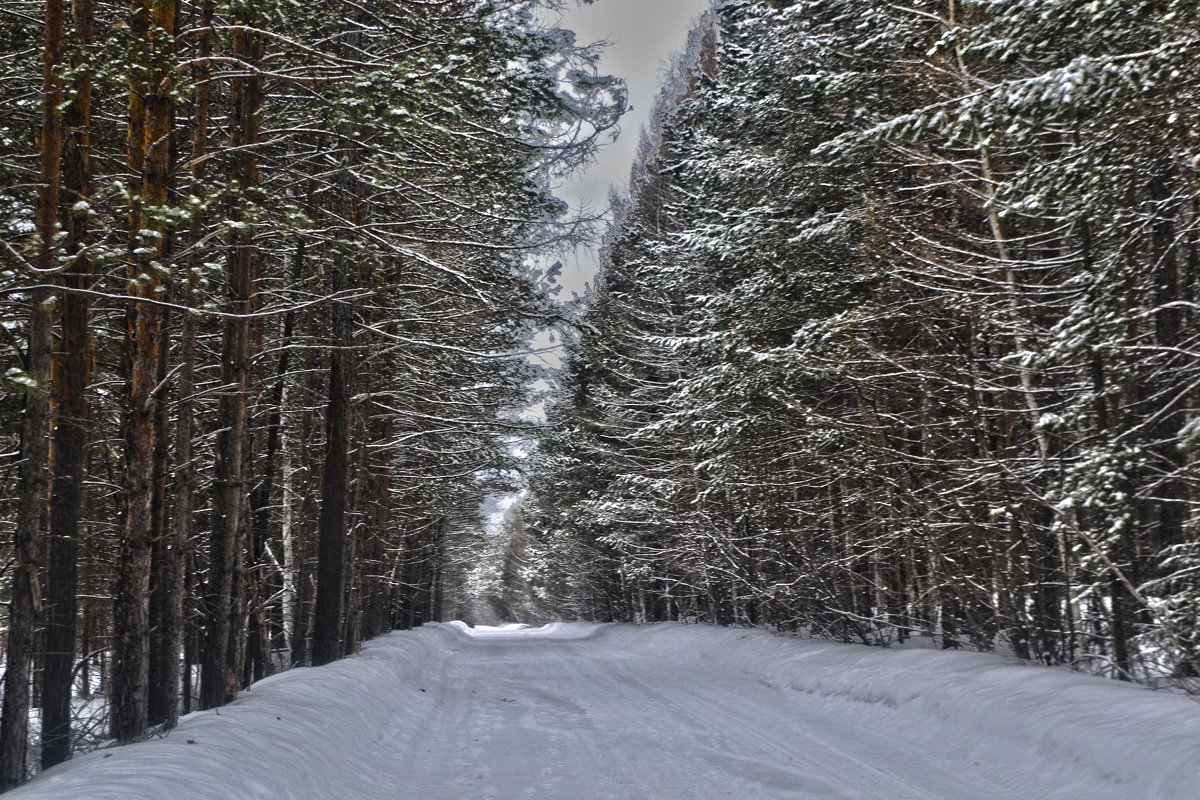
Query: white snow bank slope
x: 670, y: 712
x: 305, y: 733
x: 1072, y: 735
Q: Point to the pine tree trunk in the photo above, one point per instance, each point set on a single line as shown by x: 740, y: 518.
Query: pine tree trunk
x: 219, y: 675
x: 302, y: 635
x: 70, y: 433
x: 166, y: 556
x: 1167, y: 520
x: 331, y: 531
x: 258, y: 653
x: 35, y: 446
x: 151, y: 116
x: 185, y: 481
x: 329, y: 623
x: 167, y: 584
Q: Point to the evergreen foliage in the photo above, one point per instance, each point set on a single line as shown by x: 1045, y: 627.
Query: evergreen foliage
x: 895, y: 338
x: 299, y: 234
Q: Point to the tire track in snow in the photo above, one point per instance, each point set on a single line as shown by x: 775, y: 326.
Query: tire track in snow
x: 586, y: 712
x: 550, y: 719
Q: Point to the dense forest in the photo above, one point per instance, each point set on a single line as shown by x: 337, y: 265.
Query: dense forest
x: 896, y: 340
x: 892, y: 340
x: 265, y: 293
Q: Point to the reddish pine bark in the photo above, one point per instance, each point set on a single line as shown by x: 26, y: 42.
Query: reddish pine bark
x: 151, y: 110
x: 35, y: 446
x: 70, y: 432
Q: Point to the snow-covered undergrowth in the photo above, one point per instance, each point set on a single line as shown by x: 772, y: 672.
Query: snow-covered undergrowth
x: 395, y: 720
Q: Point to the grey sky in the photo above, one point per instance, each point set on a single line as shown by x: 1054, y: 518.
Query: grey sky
x: 642, y: 33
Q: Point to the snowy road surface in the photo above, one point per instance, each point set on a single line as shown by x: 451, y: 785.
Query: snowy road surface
x: 667, y: 712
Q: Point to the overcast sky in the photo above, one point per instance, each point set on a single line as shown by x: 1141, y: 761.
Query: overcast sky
x: 642, y: 33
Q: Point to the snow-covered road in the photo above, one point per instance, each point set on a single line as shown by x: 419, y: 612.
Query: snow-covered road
x: 520, y: 716
x: 587, y: 712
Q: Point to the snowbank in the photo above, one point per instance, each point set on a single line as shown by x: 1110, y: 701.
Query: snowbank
x: 976, y: 708
x: 305, y: 733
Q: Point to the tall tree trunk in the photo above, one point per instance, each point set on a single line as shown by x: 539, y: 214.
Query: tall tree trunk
x: 352, y: 608
x: 1169, y: 516
x: 167, y: 581
x: 35, y: 443
x: 70, y: 433
x: 167, y: 587
x: 219, y: 675
x: 328, y: 625
x: 185, y: 481
x: 151, y: 114
x: 331, y: 532
x: 258, y: 652
x: 302, y: 635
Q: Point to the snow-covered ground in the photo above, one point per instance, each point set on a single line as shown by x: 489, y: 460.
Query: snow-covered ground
x: 664, y: 712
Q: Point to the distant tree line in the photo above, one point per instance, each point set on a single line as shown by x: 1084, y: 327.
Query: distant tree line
x: 262, y: 298
x: 896, y: 338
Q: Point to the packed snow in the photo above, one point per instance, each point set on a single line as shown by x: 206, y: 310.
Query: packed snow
x: 671, y: 712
